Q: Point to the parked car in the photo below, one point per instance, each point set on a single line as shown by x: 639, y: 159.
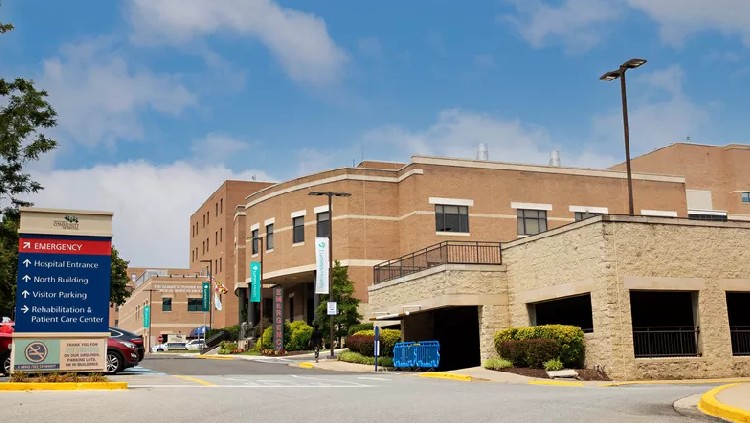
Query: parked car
x: 123, y: 335
x: 195, y: 344
x: 158, y: 347
x: 6, y: 339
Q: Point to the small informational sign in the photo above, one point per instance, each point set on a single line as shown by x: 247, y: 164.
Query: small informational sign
x: 255, y: 281
x: 206, y: 298
x: 332, y: 308
x: 147, y: 316
x: 377, y: 346
x: 67, y: 355
x: 278, y: 318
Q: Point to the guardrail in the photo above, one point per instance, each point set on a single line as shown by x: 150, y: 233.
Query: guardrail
x: 740, y: 340
x: 416, y: 355
x: 446, y: 252
x: 214, y: 341
x: 665, y: 341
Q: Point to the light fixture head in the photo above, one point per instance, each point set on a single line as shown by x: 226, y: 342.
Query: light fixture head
x: 634, y: 63
x: 610, y: 76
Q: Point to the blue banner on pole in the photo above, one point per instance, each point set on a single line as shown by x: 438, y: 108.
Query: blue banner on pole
x: 255, y: 281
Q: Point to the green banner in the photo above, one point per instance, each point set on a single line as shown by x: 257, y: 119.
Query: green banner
x: 147, y: 316
x: 255, y: 281
x: 206, y: 296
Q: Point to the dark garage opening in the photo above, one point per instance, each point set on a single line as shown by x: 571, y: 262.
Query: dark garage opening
x: 739, y: 321
x: 664, y: 323
x: 457, y: 330
x: 574, y: 311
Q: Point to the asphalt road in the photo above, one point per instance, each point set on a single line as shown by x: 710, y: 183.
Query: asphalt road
x: 273, y: 391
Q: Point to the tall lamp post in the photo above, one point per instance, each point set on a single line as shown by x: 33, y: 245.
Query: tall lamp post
x: 330, y: 195
x: 610, y: 76
x: 210, y: 288
x: 251, y: 305
x: 150, y: 317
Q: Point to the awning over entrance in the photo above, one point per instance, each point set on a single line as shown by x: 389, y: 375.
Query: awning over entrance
x: 200, y: 330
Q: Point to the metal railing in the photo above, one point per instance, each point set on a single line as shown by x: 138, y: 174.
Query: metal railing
x: 740, y: 340
x: 214, y: 341
x: 446, y: 252
x: 665, y: 341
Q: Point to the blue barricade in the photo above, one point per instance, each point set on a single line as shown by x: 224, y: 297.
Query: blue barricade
x: 423, y: 354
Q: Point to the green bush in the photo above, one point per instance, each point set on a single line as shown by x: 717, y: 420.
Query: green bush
x: 353, y: 357
x: 570, y: 338
x: 227, y: 347
x: 301, y: 333
x: 529, y: 352
x: 553, y: 365
x: 268, y: 336
x: 497, y: 363
x: 363, y: 344
x: 362, y: 326
x: 388, y: 339
x: 233, y: 332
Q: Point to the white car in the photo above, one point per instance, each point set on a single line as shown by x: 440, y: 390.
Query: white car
x: 195, y: 344
x: 159, y: 347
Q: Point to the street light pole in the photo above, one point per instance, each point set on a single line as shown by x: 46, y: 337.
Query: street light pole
x: 150, y: 317
x: 260, y: 281
x: 612, y: 75
x: 330, y: 195
x: 210, y: 295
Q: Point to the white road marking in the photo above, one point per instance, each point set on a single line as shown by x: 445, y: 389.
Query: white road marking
x: 326, y: 380
x: 374, y: 378
x: 250, y: 386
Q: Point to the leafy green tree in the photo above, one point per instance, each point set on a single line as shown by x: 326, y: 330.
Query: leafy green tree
x: 119, y: 293
x: 8, y: 262
x: 348, y: 306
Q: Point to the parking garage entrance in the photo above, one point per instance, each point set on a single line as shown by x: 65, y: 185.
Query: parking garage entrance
x: 457, y: 330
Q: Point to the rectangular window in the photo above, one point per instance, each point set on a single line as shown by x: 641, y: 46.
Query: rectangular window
x: 217, y: 209
x: 216, y: 237
x: 221, y: 234
x: 254, y: 235
x: 531, y: 222
x: 203, y: 250
x: 451, y: 218
x: 207, y: 245
x: 195, y: 304
x: 221, y: 206
x: 324, y: 224
x: 582, y: 215
x: 298, y: 229
x: 269, y: 237
x: 204, y: 220
x: 746, y: 197
x: 221, y: 264
x: 708, y: 216
x: 208, y: 218
x: 166, y: 304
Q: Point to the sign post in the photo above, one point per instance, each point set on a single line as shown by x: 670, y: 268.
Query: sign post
x: 63, y: 289
x: 377, y: 346
x: 278, y: 318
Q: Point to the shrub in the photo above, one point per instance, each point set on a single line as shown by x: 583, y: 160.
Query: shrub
x: 228, y: 347
x: 570, y: 338
x: 353, y: 357
x: 363, y: 344
x: 529, y: 352
x: 268, y: 336
x: 233, y: 332
x: 553, y: 365
x: 301, y: 333
x: 388, y: 339
x: 362, y: 326
x: 497, y: 363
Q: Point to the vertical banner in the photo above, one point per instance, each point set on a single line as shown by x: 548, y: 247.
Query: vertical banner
x: 206, y: 304
x: 255, y: 281
x: 147, y: 316
x: 278, y: 318
x: 322, y: 262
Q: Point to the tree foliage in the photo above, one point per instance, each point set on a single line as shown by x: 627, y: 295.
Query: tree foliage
x: 348, y: 306
x: 119, y: 293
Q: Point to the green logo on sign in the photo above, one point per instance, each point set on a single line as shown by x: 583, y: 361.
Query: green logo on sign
x: 206, y: 296
x: 71, y: 219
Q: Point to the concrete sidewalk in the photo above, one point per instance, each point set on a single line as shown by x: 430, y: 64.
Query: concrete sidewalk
x: 729, y: 402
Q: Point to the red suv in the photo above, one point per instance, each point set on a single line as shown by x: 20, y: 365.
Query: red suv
x: 120, y: 354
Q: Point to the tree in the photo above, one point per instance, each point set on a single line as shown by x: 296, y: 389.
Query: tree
x: 119, y: 292
x: 348, y: 306
x: 8, y: 262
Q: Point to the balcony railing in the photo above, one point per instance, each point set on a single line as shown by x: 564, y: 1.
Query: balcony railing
x: 447, y: 252
x: 740, y: 340
x: 665, y: 341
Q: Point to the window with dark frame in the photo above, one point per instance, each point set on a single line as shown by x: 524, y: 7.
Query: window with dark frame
x: 708, y: 217
x: 217, y: 209
x: 531, y: 222
x: 746, y: 197
x: 269, y: 237
x: 221, y: 234
x: 584, y: 215
x: 324, y: 225
x: 451, y: 218
x: 298, y: 229
x: 166, y: 304
x: 254, y: 243
x: 195, y: 304
x: 221, y: 208
x: 221, y: 264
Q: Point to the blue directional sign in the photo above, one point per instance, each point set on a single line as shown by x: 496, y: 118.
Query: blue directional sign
x: 63, y: 284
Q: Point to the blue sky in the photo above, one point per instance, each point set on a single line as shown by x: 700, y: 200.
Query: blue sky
x: 161, y: 100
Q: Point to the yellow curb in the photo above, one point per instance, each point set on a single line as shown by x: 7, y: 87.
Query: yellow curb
x: 62, y: 386
x: 555, y: 383
x: 708, y: 404
x: 306, y: 365
x: 675, y: 382
x: 215, y: 357
x: 443, y: 375
x: 195, y: 379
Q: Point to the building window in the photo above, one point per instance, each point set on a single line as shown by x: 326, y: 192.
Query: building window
x: 166, y: 304
x: 216, y: 237
x: 298, y: 229
x: 221, y: 234
x: 208, y: 218
x: 203, y: 245
x: 217, y: 209
x: 451, y: 218
x: 204, y: 220
x: 708, y: 216
x: 746, y: 197
x: 221, y: 206
x: 207, y: 245
x: 221, y: 264
x: 195, y: 304
x: 531, y: 222
x: 584, y: 215
x: 324, y: 224
x: 269, y: 237
x: 254, y: 235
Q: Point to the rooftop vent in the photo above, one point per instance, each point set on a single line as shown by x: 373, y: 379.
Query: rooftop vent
x: 482, y: 153
x: 554, y: 158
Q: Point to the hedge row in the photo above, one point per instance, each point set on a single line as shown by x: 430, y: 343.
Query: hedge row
x: 569, y: 339
x: 388, y: 340
x: 353, y: 357
x: 529, y: 352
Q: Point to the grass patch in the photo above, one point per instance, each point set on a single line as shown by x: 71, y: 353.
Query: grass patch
x: 250, y: 352
x: 497, y: 363
x: 353, y: 357
x: 57, y: 377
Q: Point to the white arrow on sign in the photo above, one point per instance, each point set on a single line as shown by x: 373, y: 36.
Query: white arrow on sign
x: 27, y: 262
x: 24, y: 309
x: 26, y: 244
x: 25, y: 293
x: 26, y: 278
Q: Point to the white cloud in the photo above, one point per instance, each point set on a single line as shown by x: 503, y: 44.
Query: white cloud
x: 298, y: 40
x: 680, y: 18
x: 151, y: 204
x: 576, y: 24
x: 100, y: 97
x: 216, y: 148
